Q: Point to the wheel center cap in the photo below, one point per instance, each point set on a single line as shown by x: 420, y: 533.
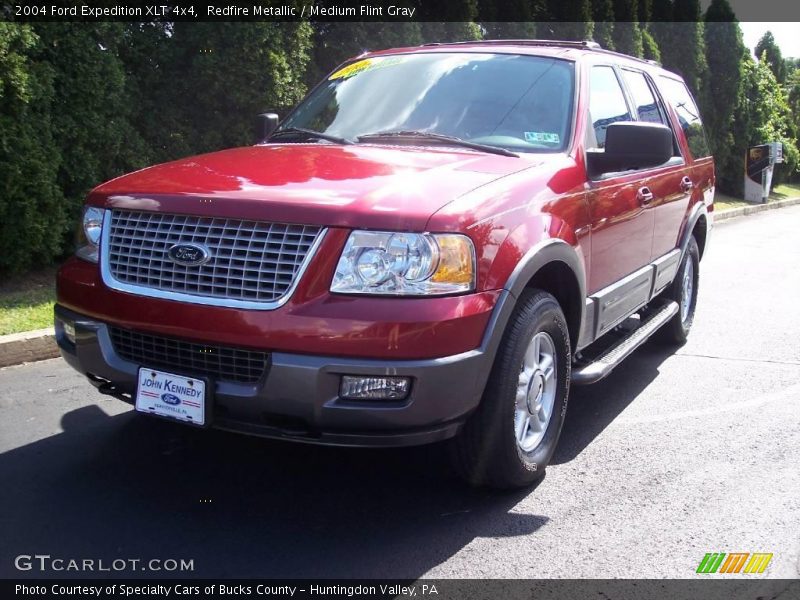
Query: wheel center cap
x: 535, y: 391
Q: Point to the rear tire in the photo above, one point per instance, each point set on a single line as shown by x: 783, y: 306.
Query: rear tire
x: 683, y: 290
x: 511, y: 437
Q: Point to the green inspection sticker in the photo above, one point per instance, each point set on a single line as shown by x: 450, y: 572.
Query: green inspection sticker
x: 539, y: 137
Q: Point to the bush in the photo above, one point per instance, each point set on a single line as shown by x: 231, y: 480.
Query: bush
x: 762, y: 115
x: 33, y: 216
x: 81, y: 103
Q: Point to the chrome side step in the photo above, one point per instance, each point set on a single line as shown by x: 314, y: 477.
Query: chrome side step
x: 595, y: 371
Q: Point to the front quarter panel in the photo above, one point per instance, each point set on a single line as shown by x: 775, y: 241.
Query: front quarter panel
x: 512, y: 215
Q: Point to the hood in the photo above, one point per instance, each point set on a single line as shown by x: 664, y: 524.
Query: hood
x: 349, y: 186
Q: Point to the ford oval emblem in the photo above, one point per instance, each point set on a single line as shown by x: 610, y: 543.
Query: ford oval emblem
x: 171, y: 399
x: 189, y: 255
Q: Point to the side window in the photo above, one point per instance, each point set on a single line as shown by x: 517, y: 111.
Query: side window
x: 648, y: 106
x: 678, y: 95
x: 606, y: 103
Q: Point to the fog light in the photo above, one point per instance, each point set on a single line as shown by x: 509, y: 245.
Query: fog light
x: 374, y: 388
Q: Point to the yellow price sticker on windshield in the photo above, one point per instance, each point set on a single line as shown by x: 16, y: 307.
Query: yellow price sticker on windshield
x: 364, y: 65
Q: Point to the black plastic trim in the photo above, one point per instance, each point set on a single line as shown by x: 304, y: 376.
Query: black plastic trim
x: 299, y: 398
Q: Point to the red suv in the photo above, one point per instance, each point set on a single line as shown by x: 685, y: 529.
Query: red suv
x: 434, y: 244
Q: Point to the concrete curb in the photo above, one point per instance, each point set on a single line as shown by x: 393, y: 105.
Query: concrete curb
x: 30, y: 346
x: 755, y: 208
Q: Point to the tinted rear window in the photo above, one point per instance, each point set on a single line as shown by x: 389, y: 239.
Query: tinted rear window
x: 677, y: 94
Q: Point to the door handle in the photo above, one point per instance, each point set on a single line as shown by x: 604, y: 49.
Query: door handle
x: 645, y: 196
x: 686, y: 184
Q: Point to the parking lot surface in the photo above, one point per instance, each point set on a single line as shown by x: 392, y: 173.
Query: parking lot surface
x: 678, y: 453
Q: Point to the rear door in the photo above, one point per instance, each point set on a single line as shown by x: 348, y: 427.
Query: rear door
x: 697, y: 178
x: 669, y: 185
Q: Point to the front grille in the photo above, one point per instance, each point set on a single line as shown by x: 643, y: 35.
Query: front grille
x: 250, y: 261
x: 219, y: 362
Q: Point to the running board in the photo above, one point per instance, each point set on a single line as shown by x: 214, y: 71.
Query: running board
x: 595, y: 371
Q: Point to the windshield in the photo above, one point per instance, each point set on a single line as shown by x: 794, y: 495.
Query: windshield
x: 522, y: 103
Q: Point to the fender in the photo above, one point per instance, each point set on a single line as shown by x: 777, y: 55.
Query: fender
x: 543, y: 253
x: 698, y: 210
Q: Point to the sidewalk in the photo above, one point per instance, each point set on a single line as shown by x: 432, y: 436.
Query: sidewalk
x: 29, y: 346
x: 755, y: 208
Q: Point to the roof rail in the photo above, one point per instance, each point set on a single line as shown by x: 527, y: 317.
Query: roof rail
x: 589, y: 44
x: 585, y: 45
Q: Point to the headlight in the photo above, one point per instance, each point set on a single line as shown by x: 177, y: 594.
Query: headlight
x: 422, y: 264
x: 89, y: 233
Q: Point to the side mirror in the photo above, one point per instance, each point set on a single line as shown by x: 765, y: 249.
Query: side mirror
x: 267, y: 123
x: 631, y: 145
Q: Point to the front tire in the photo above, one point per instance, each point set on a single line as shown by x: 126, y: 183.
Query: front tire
x: 511, y: 437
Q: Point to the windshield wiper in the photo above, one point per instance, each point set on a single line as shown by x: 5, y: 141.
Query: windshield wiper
x: 427, y: 135
x: 310, y: 133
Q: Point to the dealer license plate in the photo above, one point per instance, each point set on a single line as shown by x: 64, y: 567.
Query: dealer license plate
x: 173, y: 396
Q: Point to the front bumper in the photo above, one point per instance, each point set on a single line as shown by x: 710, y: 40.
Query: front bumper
x: 298, y: 396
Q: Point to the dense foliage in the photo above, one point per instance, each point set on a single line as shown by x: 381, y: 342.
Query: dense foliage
x: 33, y: 214
x: 722, y: 93
x: 81, y: 103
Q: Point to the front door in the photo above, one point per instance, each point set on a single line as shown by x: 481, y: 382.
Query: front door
x: 620, y: 205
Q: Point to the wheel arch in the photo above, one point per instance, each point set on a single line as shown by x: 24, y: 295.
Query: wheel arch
x: 697, y: 224
x: 555, y: 267
x: 700, y: 232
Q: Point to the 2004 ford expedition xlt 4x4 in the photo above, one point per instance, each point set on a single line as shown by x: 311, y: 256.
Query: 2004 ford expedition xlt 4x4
x: 433, y: 245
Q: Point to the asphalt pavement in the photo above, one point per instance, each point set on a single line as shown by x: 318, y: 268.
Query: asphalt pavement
x: 678, y: 453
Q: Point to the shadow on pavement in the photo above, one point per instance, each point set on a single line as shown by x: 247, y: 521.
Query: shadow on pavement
x: 593, y: 407
x: 132, y: 487
x: 129, y: 486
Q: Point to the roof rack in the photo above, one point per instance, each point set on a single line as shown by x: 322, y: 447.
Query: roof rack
x: 588, y: 44
x: 584, y: 45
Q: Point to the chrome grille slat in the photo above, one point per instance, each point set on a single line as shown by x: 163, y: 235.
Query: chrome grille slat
x: 251, y: 261
x: 222, y: 363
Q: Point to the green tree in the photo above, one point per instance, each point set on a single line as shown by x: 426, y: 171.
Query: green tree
x: 762, y: 115
x: 147, y: 51
x: 219, y: 75
x: 627, y: 31
x: 725, y: 53
x: 335, y: 42
x: 459, y: 23
x: 567, y: 20
x: 650, y: 49
x: 603, y: 16
x: 512, y: 19
x: 793, y: 85
x: 509, y: 30
x: 645, y: 11
x: 661, y: 11
x: 681, y: 42
x: 33, y: 218
x: 767, y: 46
x: 91, y: 110
x: 660, y: 25
x: 459, y: 31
